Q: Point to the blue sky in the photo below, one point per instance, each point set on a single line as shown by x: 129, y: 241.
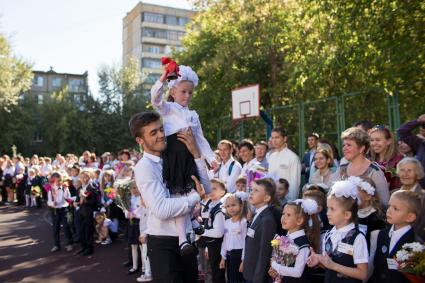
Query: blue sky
x: 72, y: 36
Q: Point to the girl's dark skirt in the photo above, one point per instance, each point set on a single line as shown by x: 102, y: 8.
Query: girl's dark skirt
x: 133, y: 231
x: 233, y: 261
x: 178, y: 167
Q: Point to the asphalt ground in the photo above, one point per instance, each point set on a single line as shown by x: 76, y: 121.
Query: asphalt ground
x: 26, y: 238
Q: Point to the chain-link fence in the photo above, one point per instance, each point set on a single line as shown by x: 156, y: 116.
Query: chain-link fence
x: 328, y: 117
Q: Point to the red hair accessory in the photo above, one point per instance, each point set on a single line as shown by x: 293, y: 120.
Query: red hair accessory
x: 172, y: 68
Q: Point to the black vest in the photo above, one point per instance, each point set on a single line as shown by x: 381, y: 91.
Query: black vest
x: 332, y: 276
x: 213, y: 212
x: 373, y: 222
x: 301, y: 242
x: 381, y: 272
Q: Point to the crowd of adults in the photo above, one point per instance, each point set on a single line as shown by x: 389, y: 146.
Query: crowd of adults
x: 392, y: 160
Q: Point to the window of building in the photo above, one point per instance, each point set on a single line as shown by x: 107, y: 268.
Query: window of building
x: 153, y: 18
x: 57, y: 82
x: 40, y: 99
x: 180, y: 35
x: 152, y: 78
x: 182, y: 21
x: 157, y: 33
x: 152, y: 49
x: 171, y: 20
x: 38, y: 81
x: 151, y: 63
x: 173, y: 35
x: 76, y: 85
x: 37, y: 137
x: 77, y: 99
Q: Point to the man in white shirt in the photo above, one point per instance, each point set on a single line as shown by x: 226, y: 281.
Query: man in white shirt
x: 229, y: 169
x: 285, y: 163
x: 167, y: 264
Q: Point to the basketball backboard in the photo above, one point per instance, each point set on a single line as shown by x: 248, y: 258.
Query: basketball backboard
x: 246, y: 102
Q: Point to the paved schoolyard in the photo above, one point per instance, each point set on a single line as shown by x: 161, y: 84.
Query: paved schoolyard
x: 25, y: 242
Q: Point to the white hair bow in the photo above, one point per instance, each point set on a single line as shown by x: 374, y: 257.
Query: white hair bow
x: 363, y: 185
x: 345, y: 189
x: 309, y: 206
x: 186, y: 74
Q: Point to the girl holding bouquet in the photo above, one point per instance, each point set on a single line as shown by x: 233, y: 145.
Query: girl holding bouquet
x: 301, y: 221
x: 234, y: 236
x: 345, y: 254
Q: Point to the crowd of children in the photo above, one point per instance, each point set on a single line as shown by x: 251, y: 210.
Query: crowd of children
x: 342, y: 230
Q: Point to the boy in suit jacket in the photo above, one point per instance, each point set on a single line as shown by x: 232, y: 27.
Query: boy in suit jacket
x: 402, y: 213
x: 261, y: 231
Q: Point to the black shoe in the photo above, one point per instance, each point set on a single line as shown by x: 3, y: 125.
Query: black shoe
x: 132, y: 271
x: 87, y: 252
x: 199, y: 230
x: 186, y: 249
x: 80, y: 252
x: 127, y: 263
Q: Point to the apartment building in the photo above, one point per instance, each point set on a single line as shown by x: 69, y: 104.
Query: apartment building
x: 150, y: 32
x: 46, y: 83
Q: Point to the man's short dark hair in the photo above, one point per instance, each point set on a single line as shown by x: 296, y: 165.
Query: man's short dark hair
x: 263, y: 143
x: 140, y: 120
x: 246, y: 143
x: 365, y: 124
x: 281, y: 131
x: 313, y: 135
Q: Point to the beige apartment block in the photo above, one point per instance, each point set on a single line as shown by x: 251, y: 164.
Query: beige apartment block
x: 46, y: 83
x: 150, y: 32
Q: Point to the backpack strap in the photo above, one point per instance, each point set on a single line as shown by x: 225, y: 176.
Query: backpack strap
x: 231, y: 167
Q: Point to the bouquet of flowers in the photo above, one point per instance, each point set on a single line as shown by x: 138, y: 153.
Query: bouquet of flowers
x: 123, y: 194
x: 254, y: 173
x: 285, y: 252
x: 110, y: 193
x: 411, y: 261
x: 36, y: 191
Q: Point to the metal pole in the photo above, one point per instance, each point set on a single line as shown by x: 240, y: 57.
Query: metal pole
x: 301, y: 138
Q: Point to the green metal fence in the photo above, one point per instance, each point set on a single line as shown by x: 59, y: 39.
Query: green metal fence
x: 328, y: 117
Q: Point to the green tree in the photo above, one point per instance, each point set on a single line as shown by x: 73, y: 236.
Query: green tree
x: 300, y: 51
x: 15, y: 75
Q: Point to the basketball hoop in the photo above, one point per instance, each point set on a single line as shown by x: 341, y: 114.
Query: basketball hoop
x: 246, y: 102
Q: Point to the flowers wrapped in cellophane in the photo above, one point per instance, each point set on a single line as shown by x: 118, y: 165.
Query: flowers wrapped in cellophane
x: 285, y: 252
x: 411, y: 261
x: 123, y: 193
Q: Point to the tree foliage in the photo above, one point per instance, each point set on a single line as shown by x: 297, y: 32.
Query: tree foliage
x: 300, y: 50
x: 98, y: 125
x: 15, y: 75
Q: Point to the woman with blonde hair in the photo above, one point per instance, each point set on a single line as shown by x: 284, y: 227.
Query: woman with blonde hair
x: 384, y: 151
x: 323, y: 161
x: 355, y: 145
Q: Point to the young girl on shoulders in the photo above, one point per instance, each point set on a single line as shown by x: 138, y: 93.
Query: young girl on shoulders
x: 234, y: 236
x: 178, y: 163
x: 345, y: 253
